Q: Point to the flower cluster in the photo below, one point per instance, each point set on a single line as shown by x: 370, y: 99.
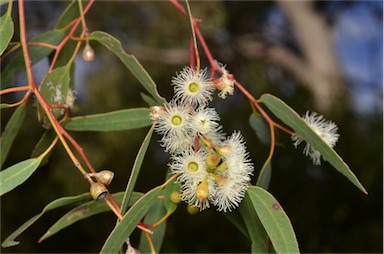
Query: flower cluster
x: 213, y: 169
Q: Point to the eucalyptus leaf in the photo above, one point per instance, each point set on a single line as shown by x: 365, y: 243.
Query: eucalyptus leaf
x: 18, y: 173
x: 274, y: 220
x: 119, y: 120
x: 149, y: 100
x: 256, y: 232
x: 286, y: 114
x: 264, y: 178
x: 135, y: 170
x: 124, y: 229
x: 154, y: 214
x: 10, y: 240
x: 10, y: 131
x: 130, y: 62
x: 43, y: 144
x: 261, y: 128
x: 36, y: 53
x: 6, y: 31
x: 84, y: 211
x: 55, y: 90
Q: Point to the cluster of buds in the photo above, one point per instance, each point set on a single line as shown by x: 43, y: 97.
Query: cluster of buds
x: 213, y: 169
x: 98, y: 190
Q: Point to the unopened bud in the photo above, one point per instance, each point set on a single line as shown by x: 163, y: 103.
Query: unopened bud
x: 202, y: 191
x: 155, y: 113
x: 104, y: 176
x: 212, y: 160
x: 98, y: 191
x: 175, y: 197
x: 88, y: 53
x: 192, y: 209
x: 223, y: 150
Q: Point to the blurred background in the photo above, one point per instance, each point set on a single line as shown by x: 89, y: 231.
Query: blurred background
x: 323, y: 56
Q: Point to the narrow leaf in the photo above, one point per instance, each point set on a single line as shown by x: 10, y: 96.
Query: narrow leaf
x: 36, y: 54
x: 126, y: 119
x: 15, y: 175
x: 11, y: 130
x: 84, y: 211
x: 43, y: 144
x: 6, y: 31
x: 123, y: 230
x: 55, y: 90
x: 10, y: 240
x: 261, y: 128
x: 149, y: 100
x: 275, y: 221
x: 154, y: 214
x: 264, y: 178
x: 255, y: 229
x: 130, y: 62
x: 135, y: 170
x: 68, y: 15
x: 286, y: 114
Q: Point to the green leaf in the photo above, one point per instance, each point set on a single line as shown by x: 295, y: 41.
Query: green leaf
x: 292, y: 119
x: 10, y: 131
x: 15, y: 175
x: 10, y: 240
x: 55, y: 90
x: 68, y: 15
x: 126, y: 119
x: 264, y: 178
x: 36, y: 54
x: 261, y: 128
x: 275, y: 221
x: 154, y: 214
x: 130, y: 62
x: 235, y: 218
x: 43, y: 144
x: 135, y: 170
x: 255, y: 229
x: 6, y: 31
x: 171, y: 187
x: 123, y: 230
x: 149, y: 100
x: 84, y: 211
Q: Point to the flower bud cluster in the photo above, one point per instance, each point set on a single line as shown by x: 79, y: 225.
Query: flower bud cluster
x: 213, y: 169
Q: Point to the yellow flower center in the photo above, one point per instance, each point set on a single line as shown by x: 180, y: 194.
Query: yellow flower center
x: 176, y: 120
x: 193, y: 87
x: 192, y: 166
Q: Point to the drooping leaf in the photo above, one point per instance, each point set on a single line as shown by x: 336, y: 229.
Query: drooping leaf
x: 135, y: 170
x: 6, y: 31
x: 84, y: 211
x: 36, y: 53
x: 43, y: 145
x: 274, y: 220
x: 10, y: 240
x: 18, y: 173
x: 286, y: 114
x: 261, y: 128
x: 264, y: 178
x: 130, y: 62
x: 255, y: 229
x: 123, y: 230
x: 119, y: 120
x: 154, y: 214
x: 55, y: 90
x: 10, y: 131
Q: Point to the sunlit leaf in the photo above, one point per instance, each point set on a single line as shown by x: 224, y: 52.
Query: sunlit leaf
x: 130, y: 62
x: 84, y: 211
x: 255, y: 229
x: 261, y: 128
x: 292, y: 119
x: 36, y: 54
x: 6, y: 31
x: 10, y: 240
x: 135, y: 170
x: 55, y: 90
x: 264, y: 178
x: 119, y: 120
x: 274, y: 220
x: 15, y: 175
x: 124, y: 229
x: 10, y: 131
x: 154, y: 214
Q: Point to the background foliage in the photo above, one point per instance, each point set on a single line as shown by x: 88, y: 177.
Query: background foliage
x: 327, y: 212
